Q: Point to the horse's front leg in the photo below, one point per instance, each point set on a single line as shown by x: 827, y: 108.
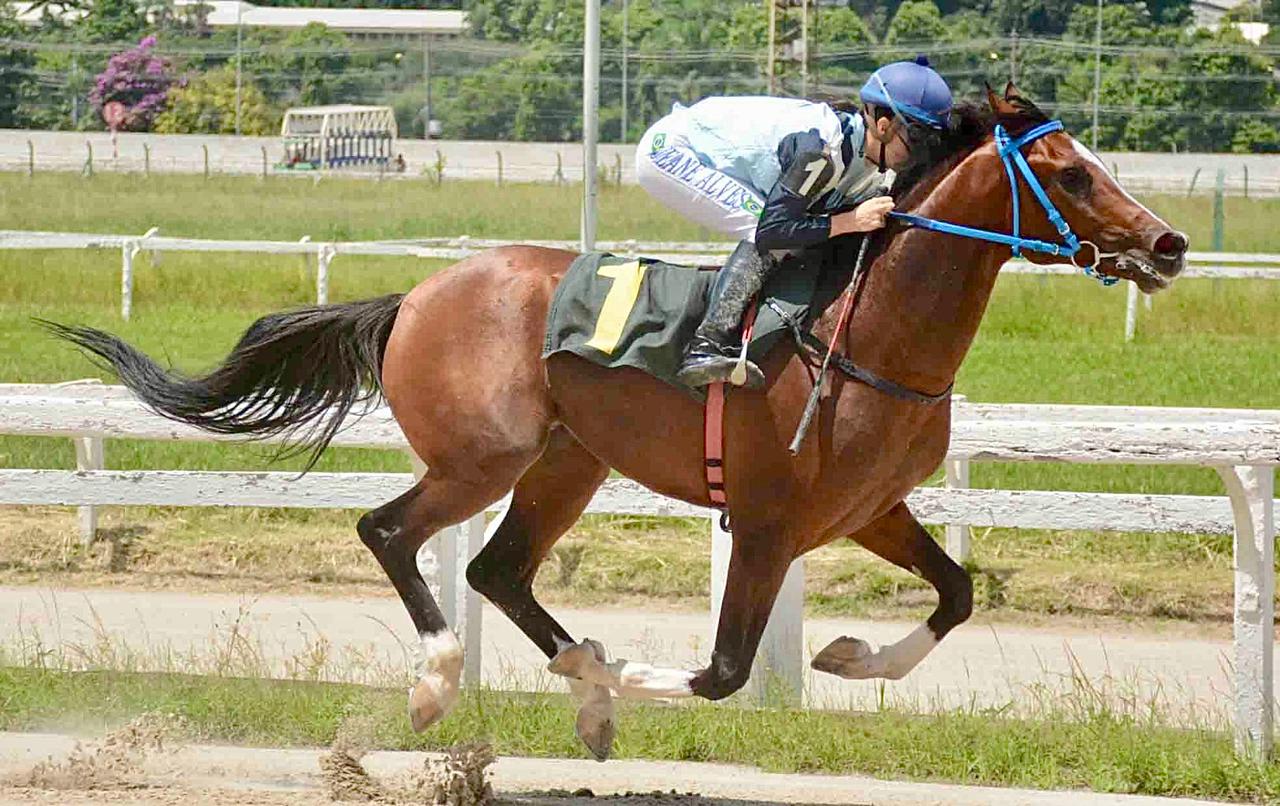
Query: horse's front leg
x: 756, y: 571
x: 899, y: 538
x: 758, y: 565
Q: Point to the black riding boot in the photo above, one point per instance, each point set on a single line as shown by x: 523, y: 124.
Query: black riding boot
x: 715, y: 347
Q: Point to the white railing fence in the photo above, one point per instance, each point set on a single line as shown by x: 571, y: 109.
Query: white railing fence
x: 1242, y: 445
x: 1215, y: 265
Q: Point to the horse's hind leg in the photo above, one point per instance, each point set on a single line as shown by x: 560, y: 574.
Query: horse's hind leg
x: 462, y: 373
x: 545, y: 502
x: 899, y: 538
x: 394, y: 532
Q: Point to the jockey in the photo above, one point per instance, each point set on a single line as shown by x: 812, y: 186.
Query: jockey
x: 783, y: 174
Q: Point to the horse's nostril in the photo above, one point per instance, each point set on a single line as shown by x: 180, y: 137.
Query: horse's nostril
x: 1171, y: 244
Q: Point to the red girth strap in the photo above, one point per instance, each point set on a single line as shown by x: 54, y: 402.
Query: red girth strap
x: 714, y: 445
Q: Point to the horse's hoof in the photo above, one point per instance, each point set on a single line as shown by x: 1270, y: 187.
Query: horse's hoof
x: 570, y: 661
x: 429, y: 700
x: 596, y: 730
x: 845, y: 657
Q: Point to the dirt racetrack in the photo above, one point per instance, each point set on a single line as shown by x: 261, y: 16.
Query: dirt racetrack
x: 144, y: 769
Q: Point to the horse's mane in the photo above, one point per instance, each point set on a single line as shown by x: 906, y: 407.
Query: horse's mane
x: 972, y: 123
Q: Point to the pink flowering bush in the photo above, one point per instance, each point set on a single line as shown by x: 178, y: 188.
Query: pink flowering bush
x: 140, y: 80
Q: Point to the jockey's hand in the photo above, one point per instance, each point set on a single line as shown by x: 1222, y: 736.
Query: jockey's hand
x: 868, y: 216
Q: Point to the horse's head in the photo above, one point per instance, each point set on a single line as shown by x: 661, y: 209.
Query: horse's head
x: 1119, y: 236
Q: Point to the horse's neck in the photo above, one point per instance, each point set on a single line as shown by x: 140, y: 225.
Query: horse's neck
x: 926, y: 293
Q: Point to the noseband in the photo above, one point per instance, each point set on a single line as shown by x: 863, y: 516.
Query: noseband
x: 1010, y: 150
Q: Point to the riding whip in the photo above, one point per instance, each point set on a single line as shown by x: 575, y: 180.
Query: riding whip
x: 855, y: 288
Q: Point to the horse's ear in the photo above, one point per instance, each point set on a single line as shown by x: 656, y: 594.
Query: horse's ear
x: 1011, y: 92
x: 1000, y: 106
x: 994, y: 100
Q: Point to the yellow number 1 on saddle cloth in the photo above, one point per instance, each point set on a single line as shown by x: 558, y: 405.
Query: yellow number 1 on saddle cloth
x: 617, y: 304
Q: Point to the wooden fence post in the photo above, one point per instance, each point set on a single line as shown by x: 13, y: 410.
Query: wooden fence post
x: 153, y: 255
x: 306, y: 256
x: 1219, y: 214
x: 1131, y: 312
x: 323, y: 258
x: 31, y: 159
x: 128, y: 251
x: 1252, y: 492
x: 777, y: 675
x: 88, y: 457
x: 958, y: 541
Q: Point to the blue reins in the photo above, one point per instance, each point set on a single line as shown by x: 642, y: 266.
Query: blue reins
x: 1010, y: 150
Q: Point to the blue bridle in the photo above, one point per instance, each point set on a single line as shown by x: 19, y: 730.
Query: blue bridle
x: 1010, y: 150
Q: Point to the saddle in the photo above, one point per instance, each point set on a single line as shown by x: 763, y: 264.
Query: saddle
x: 637, y: 312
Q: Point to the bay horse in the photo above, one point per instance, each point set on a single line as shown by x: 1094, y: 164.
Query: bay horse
x: 458, y: 360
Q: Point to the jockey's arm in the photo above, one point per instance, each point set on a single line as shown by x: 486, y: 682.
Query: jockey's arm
x: 787, y: 222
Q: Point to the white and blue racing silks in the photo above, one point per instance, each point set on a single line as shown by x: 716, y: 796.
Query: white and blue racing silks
x: 740, y: 136
x: 730, y: 150
x: 715, y: 185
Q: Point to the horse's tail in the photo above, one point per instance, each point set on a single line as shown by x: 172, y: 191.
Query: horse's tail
x: 295, y: 373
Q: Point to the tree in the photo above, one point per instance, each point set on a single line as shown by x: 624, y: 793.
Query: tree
x: 1256, y: 137
x: 314, y: 59
x: 841, y: 30
x: 137, y: 78
x: 526, y: 20
x: 916, y: 21
x: 877, y: 13
x: 1122, y: 24
x: 206, y: 104
x: 1224, y: 74
x: 112, y: 21
x: 16, y: 78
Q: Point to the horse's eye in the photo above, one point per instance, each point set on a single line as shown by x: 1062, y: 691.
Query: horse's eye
x: 1075, y: 180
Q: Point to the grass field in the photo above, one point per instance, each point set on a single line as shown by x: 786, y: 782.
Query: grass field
x: 1075, y: 742
x: 1208, y: 343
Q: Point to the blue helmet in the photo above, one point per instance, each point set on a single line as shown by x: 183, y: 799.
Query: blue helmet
x: 913, y: 90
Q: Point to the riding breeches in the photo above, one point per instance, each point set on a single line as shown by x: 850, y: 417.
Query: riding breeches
x: 674, y: 174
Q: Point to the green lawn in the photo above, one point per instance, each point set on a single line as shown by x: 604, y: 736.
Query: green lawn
x: 1207, y: 343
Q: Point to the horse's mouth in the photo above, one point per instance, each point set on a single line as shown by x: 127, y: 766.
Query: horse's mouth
x: 1137, y: 265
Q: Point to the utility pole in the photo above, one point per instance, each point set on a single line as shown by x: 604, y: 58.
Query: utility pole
x: 239, y: 57
x: 811, y: 46
x: 426, y: 79
x: 789, y: 44
x: 75, y: 90
x: 1013, y: 55
x: 1097, y: 72
x: 804, y: 48
x: 625, y: 40
x: 590, y: 121
x: 771, y: 61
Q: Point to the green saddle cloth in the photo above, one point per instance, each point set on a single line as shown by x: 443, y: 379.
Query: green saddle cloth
x: 629, y: 312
